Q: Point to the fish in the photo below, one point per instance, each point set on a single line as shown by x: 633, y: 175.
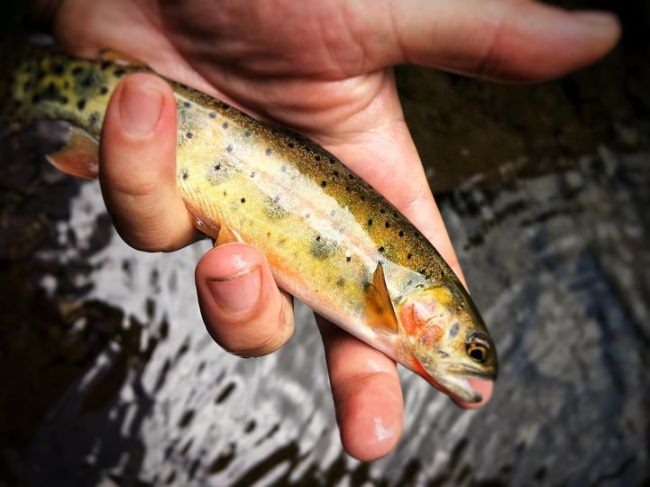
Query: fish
x: 331, y: 240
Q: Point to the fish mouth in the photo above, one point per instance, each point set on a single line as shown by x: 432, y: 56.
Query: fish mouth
x: 469, y: 371
x: 455, y: 380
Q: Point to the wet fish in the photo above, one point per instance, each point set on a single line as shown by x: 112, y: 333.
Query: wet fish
x: 331, y: 240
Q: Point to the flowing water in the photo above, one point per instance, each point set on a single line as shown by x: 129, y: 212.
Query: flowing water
x: 109, y: 377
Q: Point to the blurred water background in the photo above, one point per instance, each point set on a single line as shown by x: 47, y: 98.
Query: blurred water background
x: 109, y: 377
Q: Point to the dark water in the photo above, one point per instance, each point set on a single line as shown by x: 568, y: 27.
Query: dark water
x: 109, y: 377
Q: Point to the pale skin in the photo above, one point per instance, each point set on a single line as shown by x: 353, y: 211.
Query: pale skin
x: 325, y: 68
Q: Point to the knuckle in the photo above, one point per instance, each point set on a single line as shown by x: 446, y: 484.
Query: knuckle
x: 256, y: 339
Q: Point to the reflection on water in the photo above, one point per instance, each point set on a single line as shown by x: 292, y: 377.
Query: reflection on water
x: 112, y: 377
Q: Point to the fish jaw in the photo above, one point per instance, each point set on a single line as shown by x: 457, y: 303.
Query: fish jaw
x: 455, y: 385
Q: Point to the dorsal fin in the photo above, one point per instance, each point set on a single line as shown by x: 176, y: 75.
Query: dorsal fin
x: 79, y: 156
x: 119, y: 58
x: 379, y: 307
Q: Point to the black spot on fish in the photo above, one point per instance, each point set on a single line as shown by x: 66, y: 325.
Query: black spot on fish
x: 369, y: 222
x: 243, y: 200
x: 119, y: 73
x: 340, y: 282
x: 335, y: 174
x: 252, y: 174
x: 348, y: 258
x: 229, y: 148
x: 217, y: 167
x: 87, y: 82
x: 381, y: 249
x: 322, y: 248
x: 382, y: 211
x: 290, y: 145
x: 363, y: 198
x: 423, y: 271
x: 247, y: 133
x: 212, y: 115
x: 77, y: 70
x: 63, y: 100
x: 189, y: 135
x: 94, y: 118
x: 453, y: 331
x: 58, y: 67
x: 103, y: 90
x: 81, y: 104
x: 409, y: 256
x: 323, y: 184
x: 331, y: 159
x: 348, y: 189
x: 225, y: 125
x: 307, y: 215
x: 187, y: 104
x: 317, y: 158
x: 401, y: 233
x: 350, y: 177
x: 409, y: 282
x: 387, y: 224
x: 184, y: 174
x: 105, y: 65
x: 268, y: 152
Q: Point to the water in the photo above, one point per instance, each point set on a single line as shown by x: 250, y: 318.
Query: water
x: 112, y: 378
x: 109, y: 377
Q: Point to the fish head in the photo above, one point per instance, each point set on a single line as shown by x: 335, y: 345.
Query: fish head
x: 447, y: 340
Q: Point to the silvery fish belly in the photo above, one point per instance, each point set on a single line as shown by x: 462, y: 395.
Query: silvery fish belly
x: 332, y: 241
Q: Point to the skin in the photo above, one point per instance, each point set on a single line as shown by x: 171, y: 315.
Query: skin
x: 324, y: 68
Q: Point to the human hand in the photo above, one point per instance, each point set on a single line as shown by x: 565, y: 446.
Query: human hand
x: 324, y: 68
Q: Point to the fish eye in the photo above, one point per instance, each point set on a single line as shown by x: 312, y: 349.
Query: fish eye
x: 477, y: 348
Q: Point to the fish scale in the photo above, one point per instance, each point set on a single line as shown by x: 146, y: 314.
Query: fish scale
x: 330, y: 238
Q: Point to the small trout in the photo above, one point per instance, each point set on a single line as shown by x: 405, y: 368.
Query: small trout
x: 331, y: 240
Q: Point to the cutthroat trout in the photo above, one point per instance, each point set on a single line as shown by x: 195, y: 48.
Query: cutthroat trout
x: 331, y: 240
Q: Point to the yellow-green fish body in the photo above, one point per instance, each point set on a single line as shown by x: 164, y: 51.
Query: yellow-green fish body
x: 331, y: 240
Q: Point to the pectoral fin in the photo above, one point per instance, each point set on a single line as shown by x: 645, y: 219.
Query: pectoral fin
x: 379, y: 307
x: 79, y: 156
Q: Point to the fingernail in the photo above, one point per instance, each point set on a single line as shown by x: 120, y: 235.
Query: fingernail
x: 140, y: 107
x: 599, y: 20
x: 238, y: 293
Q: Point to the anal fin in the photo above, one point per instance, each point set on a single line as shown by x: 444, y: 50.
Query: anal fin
x: 79, y: 156
x: 379, y: 307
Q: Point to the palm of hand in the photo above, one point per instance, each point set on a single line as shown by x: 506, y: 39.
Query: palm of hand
x: 288, y: 61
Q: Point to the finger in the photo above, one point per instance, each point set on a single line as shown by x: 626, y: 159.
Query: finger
x: 501, y: 39
x: 367, y: 394
x: 241, y: 305
x: 137, y: 167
